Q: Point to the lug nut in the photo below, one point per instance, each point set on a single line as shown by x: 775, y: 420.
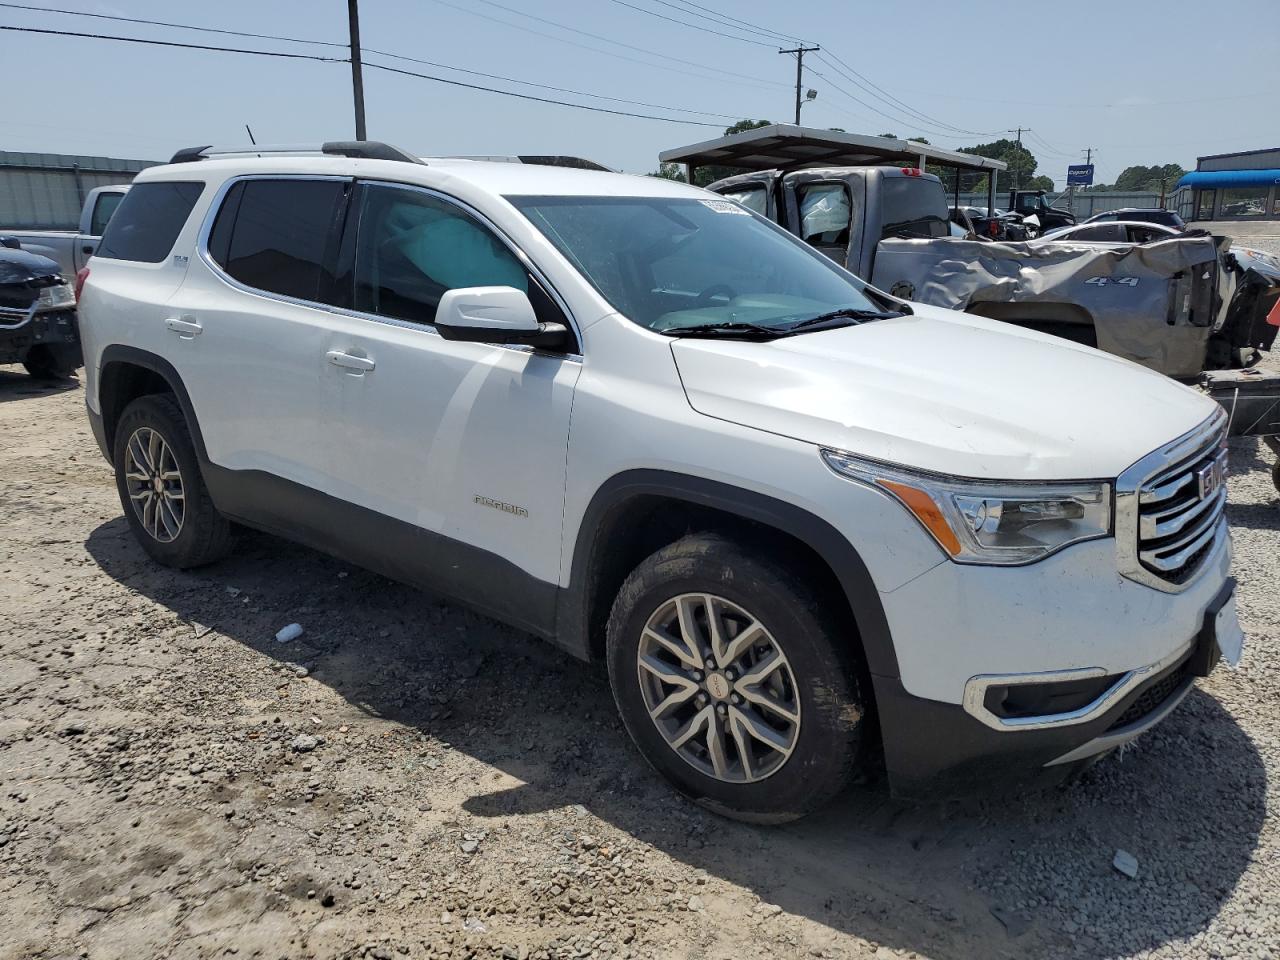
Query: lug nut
x: 735, y: 699
x: 701, y: 699
x: 721, y: 709
x: 697, y: 675
x: 711, y: 664
x: 730, y: 676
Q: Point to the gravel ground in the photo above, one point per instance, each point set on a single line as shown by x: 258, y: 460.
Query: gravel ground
x: 408, y: 779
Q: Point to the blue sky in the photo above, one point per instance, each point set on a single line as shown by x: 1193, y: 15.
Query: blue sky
x: 1141, y: 82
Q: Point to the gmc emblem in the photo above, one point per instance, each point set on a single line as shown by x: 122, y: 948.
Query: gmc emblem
x: 1211, y: 477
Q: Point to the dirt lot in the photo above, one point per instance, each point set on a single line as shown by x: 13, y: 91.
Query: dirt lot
x: 408, y: 779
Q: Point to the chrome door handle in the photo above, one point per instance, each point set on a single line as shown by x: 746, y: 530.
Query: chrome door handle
x: 184, y: 328
x: 340, y: 359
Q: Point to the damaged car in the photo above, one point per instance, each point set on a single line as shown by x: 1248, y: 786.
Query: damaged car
x: 37, y: 315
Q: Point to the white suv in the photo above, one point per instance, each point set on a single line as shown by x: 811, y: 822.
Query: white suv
x: 811, y: 529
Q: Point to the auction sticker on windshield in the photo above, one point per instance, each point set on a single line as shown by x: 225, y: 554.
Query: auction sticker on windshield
x: 725, y: 206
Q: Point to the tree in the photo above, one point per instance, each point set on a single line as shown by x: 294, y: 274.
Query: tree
x: 669, y: 171
x: 710, y: 174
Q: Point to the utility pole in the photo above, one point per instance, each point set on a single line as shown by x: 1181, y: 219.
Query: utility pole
x: 357, y: 79
x: 1018, y: 131
x: 799, y: 52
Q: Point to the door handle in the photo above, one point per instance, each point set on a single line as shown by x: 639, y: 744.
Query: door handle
x: 186, y: 329
x: 340, y: 359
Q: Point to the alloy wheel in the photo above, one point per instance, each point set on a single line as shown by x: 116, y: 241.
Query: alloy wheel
x: 719, y: 688
x: 155, y: 484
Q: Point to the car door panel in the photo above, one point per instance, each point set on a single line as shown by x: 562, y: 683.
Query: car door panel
x: 465, y: 440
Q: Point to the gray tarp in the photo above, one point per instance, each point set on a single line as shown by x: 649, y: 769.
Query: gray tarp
x: 1125, y: 291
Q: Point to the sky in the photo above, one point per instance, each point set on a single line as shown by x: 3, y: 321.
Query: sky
x: 1139, y: 81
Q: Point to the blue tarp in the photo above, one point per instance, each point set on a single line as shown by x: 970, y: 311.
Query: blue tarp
x: 1211, y: 179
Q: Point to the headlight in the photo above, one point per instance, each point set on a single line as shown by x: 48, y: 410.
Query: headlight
x: 55, y: 297
x: 991, y: 523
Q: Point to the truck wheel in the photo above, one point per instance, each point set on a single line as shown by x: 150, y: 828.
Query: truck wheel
x: 1275, y: 476
x: 734, y: 681
x: 47, y: 363
x: 161, y: 488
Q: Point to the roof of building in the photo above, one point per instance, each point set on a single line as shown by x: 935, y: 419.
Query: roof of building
x: 782, y: 145
x: 1238, y: 153
x: 1210, y: 179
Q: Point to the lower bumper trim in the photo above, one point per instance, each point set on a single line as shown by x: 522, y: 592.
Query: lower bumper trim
x: 1122, y: 735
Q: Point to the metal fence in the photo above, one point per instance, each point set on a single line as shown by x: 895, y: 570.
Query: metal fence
x: 1085, y: 203
x: 45, y: 191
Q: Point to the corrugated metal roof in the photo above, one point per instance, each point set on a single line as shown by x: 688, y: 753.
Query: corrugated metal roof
x: 790, y: 147
x: 1208, y: 179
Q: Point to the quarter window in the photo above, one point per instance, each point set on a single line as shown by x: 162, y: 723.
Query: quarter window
x: 148, y: 220
x: 274, y: 234
x: 412, y: 248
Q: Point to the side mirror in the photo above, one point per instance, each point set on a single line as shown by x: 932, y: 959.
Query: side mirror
x: 11, y: 243
x: 495, y: 315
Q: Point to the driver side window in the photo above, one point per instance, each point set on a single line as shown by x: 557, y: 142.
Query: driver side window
x: 411, y: 248
x: 825, y: 214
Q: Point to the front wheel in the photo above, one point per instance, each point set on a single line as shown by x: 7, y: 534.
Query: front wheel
x: 45, y: 362
x: 734, y: 681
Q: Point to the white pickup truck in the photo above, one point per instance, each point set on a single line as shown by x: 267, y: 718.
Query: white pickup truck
x: 71, y: 249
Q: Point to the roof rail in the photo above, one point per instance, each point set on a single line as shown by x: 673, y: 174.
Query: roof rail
x: 357, y: 149
x: 578, y: 163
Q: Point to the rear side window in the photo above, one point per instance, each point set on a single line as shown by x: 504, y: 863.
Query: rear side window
x: 148, y: 220
x: 275, y: 235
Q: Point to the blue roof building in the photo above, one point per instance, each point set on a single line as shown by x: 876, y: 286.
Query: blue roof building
x: 1232, y: 186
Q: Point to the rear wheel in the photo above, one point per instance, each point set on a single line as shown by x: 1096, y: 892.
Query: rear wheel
x: 734, y: 681
x: 161, y: 488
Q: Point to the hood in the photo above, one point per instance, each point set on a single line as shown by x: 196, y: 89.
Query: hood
x: 947, y: 392
x: 18, y: 266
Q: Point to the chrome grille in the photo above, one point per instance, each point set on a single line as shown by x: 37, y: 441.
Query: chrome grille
x: 1169, y: 507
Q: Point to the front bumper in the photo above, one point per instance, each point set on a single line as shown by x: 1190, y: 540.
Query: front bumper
x: 937, y: 749
x: 20, y: 331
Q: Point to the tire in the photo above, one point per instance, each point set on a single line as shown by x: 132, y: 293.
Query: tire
x: 49, y: 363
x: 817, y: 675
x: 185, y: 531
x: 1275, y: 476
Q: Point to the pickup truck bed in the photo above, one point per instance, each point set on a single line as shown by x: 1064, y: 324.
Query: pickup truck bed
x: 71, y: 249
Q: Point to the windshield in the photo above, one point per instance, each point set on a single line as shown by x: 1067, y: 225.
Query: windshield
x: 678, y: 263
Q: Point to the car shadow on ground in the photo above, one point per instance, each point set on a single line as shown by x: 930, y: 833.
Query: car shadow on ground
x: 1031, y: 876
x: 17, y: 384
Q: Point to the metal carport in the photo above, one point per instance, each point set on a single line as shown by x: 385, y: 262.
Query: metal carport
x: 784, y: 146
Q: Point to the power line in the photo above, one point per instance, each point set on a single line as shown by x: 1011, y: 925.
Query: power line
x: 162, y: 23
x: 370, y: 50
x: 527, y: 96
x: 706, y: 13
x: 685, y: 23
x: 724, y: 17
x: 596, y: 36
x: 546, y: 86
x: 174, y: 43
x: 375, y: 66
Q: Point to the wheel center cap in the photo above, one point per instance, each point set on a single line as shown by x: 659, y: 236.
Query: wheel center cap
x: 158, y: 484
x: 717, y: 686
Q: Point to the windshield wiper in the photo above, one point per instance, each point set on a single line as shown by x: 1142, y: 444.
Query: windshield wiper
x: 856, y: 316
x: 727, y: 329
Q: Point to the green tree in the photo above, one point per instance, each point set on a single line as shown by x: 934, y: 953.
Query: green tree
x: 669, y: 171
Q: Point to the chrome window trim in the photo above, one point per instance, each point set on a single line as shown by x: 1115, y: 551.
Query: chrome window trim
x: 975, y: 693
x: 1128, y: 487
x: 215, y: 205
